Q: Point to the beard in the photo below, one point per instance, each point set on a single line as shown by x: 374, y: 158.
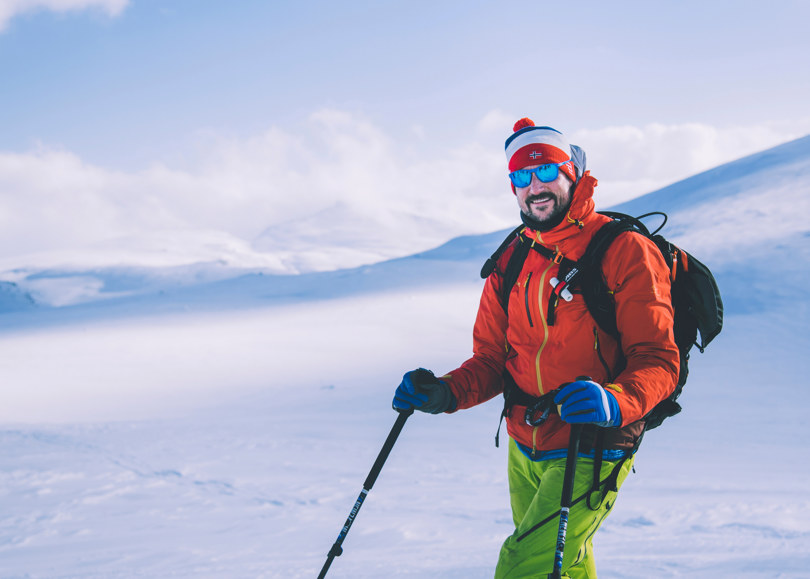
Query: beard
x: 547, y: 223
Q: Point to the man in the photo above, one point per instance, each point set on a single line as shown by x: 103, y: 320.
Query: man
x: 543, y: 343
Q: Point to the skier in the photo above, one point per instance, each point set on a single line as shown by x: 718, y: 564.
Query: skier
x: 545, y: 343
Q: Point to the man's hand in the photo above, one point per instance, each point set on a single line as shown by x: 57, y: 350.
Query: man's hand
x: 586, y: 402
x: 421, y: 390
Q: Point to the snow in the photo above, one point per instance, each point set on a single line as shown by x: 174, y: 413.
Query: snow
x: 218, y: 420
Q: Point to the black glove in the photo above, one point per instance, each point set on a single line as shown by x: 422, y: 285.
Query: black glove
x: 421, y: 390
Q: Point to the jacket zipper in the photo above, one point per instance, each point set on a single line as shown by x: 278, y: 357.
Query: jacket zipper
x: 541, y: 309
x: 542, y: 285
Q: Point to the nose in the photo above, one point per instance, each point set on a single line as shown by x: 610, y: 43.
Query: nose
x: 535, y: 183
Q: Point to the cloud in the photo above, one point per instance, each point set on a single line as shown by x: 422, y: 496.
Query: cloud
x: 336, y: 186
x: 336, y: 191
x: 496, y: 121
x: 11, y: 8
x: 631, y: 160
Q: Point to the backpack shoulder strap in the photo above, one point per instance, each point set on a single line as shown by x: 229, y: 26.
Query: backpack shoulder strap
x: 513, y: 266
x: 491, y: 263
x: 595, y: 291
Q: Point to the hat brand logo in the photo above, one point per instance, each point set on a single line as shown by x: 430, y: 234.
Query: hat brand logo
x: 535, y: 155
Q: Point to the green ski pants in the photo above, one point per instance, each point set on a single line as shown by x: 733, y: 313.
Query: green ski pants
x: 535, y: 489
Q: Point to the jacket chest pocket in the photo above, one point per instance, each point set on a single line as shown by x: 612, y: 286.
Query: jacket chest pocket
x: 531, y: 294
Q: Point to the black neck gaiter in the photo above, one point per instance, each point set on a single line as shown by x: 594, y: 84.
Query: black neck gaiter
x: 532, y: 223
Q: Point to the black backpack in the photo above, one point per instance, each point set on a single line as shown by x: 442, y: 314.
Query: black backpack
x: 696, y: 302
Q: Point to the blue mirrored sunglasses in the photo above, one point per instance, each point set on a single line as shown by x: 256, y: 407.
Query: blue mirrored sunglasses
x: 545, y: 174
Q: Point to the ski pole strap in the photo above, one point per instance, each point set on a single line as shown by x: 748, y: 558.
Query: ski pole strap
x: 598, y: 446
x: 610, y: 481
x: 571, y: 465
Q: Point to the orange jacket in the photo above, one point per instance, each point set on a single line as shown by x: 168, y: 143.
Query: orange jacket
x: 540, y: 357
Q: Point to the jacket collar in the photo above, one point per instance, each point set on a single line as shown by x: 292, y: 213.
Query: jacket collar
x: 579, y: 215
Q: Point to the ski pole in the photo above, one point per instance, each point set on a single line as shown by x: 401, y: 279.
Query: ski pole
x: 337, y: 549
x: 567, y: 498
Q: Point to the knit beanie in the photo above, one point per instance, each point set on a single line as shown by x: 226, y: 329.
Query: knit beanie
x: 531, y: 145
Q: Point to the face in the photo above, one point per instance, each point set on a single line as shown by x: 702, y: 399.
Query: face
x: 545, y: 202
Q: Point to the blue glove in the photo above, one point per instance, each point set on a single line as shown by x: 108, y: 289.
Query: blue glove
x: 421, y: 390
x: 586, y: 402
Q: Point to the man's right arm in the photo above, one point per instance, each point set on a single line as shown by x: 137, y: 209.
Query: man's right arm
x: 481, y: 377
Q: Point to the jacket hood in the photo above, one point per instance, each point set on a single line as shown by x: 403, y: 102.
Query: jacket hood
x: 579, y: 214
x: 582, y: 204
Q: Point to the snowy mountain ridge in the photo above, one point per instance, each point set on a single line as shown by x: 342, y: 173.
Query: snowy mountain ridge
x: 204, y: 421
x: 732, y: 217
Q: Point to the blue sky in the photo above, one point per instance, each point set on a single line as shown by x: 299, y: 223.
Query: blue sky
x: 123, y: 88
x: 655, y: 91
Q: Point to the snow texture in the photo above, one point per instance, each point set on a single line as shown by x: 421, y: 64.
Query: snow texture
x: 210, y: 421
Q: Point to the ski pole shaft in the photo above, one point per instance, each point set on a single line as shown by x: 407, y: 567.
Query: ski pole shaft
x: 337, y: 548
x: 567, y: 498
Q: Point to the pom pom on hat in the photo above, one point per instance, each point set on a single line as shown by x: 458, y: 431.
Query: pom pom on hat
x: 522, y: 124
x: 532, y: 145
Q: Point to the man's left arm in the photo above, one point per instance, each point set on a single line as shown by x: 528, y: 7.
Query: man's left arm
x: 637, y: 274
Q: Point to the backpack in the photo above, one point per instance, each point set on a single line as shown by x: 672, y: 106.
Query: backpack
x: 696, y: 301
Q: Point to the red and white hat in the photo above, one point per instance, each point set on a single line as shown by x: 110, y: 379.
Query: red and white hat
x: 531, y: 145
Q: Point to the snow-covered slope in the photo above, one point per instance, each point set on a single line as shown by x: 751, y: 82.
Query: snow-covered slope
x: 750, y: 220
x: 202, y: 422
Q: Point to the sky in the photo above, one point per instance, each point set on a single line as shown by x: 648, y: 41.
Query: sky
x: 243, y: 125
